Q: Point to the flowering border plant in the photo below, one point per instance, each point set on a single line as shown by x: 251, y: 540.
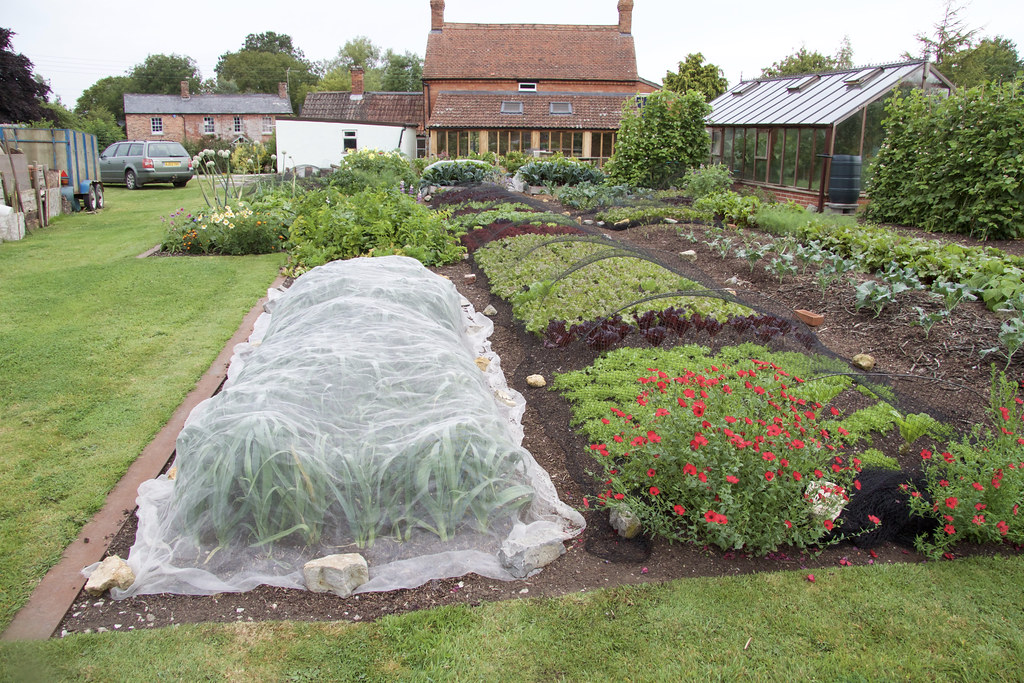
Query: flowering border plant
x: 975, y: 488
x: 733, y: 455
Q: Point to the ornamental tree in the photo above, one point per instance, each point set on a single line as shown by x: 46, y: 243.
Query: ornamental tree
x: 694, y: 74
x: 21, y: 95
x: 661, y: 136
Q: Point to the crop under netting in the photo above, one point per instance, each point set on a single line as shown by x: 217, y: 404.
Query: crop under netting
x: 355, y: 420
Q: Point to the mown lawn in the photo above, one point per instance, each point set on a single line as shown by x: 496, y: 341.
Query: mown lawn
x: 97, y: 349
x: 949, y: 621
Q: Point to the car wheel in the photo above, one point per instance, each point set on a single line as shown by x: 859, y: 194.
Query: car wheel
x: 130, y: 180
x: 99, y: 195
x: 90, y: 199
x: 180, y: 183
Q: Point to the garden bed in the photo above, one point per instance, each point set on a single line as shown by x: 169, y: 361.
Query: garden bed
x: 600, y: 558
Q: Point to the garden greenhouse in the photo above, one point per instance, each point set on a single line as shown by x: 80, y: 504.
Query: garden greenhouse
x: 778, y: 133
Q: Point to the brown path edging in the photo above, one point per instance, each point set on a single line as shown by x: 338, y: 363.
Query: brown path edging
x: 58, y: 589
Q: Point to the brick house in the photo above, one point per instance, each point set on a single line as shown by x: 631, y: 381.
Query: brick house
x: 538, y: 88
x: 251, y: 117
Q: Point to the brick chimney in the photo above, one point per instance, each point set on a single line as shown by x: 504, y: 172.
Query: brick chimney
x: 184, y: 90
x: 436, y: 14
x: 282, y: 90
x: 625, y: 17
x: 357, y: 82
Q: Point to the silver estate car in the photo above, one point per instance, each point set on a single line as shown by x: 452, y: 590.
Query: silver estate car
x: 139, y: 162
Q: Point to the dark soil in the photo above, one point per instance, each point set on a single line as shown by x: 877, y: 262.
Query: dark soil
x: 956, y: 393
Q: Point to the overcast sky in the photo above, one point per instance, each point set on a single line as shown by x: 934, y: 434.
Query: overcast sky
x: 74, y: 44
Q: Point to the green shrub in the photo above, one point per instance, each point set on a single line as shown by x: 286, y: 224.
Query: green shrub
x: 233, y: 230
x: 587, y: 195
x: 331, y: 226
x: 559, y: 171
x: 658, y: 141
x: 369, y: 168
x: 706, y: 179
x: 253, y: 157
x: 448, y: 173
x: 729, y: 207
x: 513, y: 161
x: 953, y: 164
x: 781, y: 219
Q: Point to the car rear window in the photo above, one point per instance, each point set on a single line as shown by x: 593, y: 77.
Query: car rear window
x: 167, y: 149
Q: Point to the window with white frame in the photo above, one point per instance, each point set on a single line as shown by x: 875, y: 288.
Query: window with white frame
x: 238, y: 124
x: 268, y: 125
x: 349, y: 142
x: 156, y: 125
x: 208, y: 127
x: 527, y: 87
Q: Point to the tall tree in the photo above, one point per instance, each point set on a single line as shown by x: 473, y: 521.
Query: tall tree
x: 163, y: 74
x: 800, y: 62
x: 274, y: 60
x: 106, y: 94
x: 694, y: 74
x: 21, y: 94
x: 992, y: 59
x: 359, y: 51
x: 951, y: 36
x: 402, y: 72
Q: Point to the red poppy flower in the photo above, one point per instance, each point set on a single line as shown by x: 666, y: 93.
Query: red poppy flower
x: 949, y: 529
x: 698, y: 409
x: 948, y: 457
x: 619, y: 496
x: 979, y: 519
x: 874, y: 520
x: 710, y: 515
x: 679, y: 509
x: 703, y: 477
x: 653, y: 437
x: 660, y: 412
x: 797, y: 476
x: 789, y: 524
x: 828, y: 524
x: 681, y: 402
x: 951, y: 503
x: 978, y: 486
x: 769, y: 475
x: 606, y: 421
x: 732, y: 479
x: 1003, y: 527
x: 586, y: 503
x: 943, y: 483
x: 689, y: 469
x: 856, y: 484
x: 651, y: 472
x: 980, y: 506
x: 1005, y: 413
x: 768, y: 455
x: 926, y: 454
x: 818, y: 474
x: 654, y: 490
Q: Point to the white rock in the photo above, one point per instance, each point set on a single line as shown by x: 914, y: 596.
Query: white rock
x: 688, y: 255
x: 111, y: 572
x: 469, y: 278
x: 530, y: 547
x: 671, y: 221
x: 588, y: 221
x: 536, y: 381
x: 339, y: 574
x: 490, y: 310
x: 624, y: 522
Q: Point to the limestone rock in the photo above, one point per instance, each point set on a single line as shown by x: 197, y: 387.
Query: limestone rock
x: 338, y: 574
x: 624, y: 522
x: 172, y: 473
x: 536, y: 381
x: 588, y: 221
x: 490, y: 310
x: 670, y: 221
x: 504, y: 397
x: 483, y: 363
x: 864, y: 362
x: 688, y: 255
x: 112, y: 572
x: 529, y: 548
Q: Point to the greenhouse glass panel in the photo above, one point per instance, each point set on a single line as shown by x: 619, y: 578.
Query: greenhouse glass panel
x: 789, y: 160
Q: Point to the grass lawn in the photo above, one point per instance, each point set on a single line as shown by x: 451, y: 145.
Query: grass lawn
x: 97, y: 349
x: 957, y: 621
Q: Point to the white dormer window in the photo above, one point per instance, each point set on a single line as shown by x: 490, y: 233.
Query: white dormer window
x: 863, y: 76
x: 561, y: 108
x: 804, y: 83
x: 509, y: 107
x: 527, y: 87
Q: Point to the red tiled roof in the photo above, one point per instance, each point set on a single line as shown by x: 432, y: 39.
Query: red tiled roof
x: 530, y: 51
x: 396, y: 108
x: 474, y: 109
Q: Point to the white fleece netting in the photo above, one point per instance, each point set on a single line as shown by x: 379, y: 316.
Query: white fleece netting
x: 356, y: 420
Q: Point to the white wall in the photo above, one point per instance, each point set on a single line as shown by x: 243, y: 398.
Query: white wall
x: 320, y: 143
